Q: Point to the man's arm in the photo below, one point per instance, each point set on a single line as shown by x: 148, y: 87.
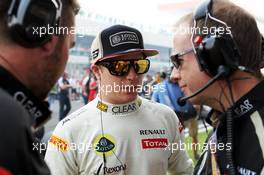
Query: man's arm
x: 17, y: 151
x: 59, y: 156
x: 179, y: 161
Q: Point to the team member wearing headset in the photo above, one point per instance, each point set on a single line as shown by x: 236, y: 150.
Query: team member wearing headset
x: 218, y: 64
x: 30, y: 65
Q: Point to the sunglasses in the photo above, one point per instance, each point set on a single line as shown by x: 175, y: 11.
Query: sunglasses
x: 176, y: 60
x: 122, y: 67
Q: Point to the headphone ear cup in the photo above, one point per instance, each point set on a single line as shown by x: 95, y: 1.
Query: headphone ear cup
x: 215, y: 51
x: 30, y: 22
x: 262, y: 52
x: 207, y: 54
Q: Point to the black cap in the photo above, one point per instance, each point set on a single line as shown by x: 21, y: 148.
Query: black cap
x: 116, y: 41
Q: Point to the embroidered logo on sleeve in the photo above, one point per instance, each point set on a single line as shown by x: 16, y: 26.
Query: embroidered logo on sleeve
x: 59, y: 143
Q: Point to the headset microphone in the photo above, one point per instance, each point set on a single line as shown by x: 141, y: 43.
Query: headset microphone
x: 223, y: 71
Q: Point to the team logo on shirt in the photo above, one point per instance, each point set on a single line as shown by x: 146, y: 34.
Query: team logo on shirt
x: 125, y: 37
x: 110, y: 170
x: 245, y: 171
x: 124, y: 109
x: 59, y: 143
x: 104, y: 144
x: 128, y: 108
x: 244, y: 107
x: 152, y: 132
x: 119, y: 109
x: 65, y: 121
x: 103, y: 107
x: 154, y: 143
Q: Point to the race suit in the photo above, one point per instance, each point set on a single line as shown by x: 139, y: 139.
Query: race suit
x: 132, y: 139
x: 248, y: 139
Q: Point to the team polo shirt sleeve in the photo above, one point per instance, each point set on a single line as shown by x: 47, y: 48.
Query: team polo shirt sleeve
x: 179, y: 161
x: 60, y: 155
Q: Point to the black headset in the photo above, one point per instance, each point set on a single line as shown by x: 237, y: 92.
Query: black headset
x: 216, y: 51
x: 262, y: 52
x: 27, y: 17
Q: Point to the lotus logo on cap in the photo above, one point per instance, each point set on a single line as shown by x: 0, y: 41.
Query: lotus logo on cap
x: 116, y: 39
x: 125, y: 37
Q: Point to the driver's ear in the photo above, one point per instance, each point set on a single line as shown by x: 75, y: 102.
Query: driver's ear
x: 97, y: 71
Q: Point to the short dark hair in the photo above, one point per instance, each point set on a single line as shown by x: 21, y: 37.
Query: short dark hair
x: 5, y: 33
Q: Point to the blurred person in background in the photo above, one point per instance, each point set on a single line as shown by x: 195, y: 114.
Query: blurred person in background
x: 156, y: 79
x: 85, y: 82
x: 73, y: 92
x: 64, y: 96
x: 146, y: 87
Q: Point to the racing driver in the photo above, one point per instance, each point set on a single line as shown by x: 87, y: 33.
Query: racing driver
x: 119, y: 132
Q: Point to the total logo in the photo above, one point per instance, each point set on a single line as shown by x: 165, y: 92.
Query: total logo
x: 104, y: 144
x: 154, y: 143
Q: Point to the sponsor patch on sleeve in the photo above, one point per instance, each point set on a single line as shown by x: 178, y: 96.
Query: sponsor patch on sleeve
x: 59, y: 143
